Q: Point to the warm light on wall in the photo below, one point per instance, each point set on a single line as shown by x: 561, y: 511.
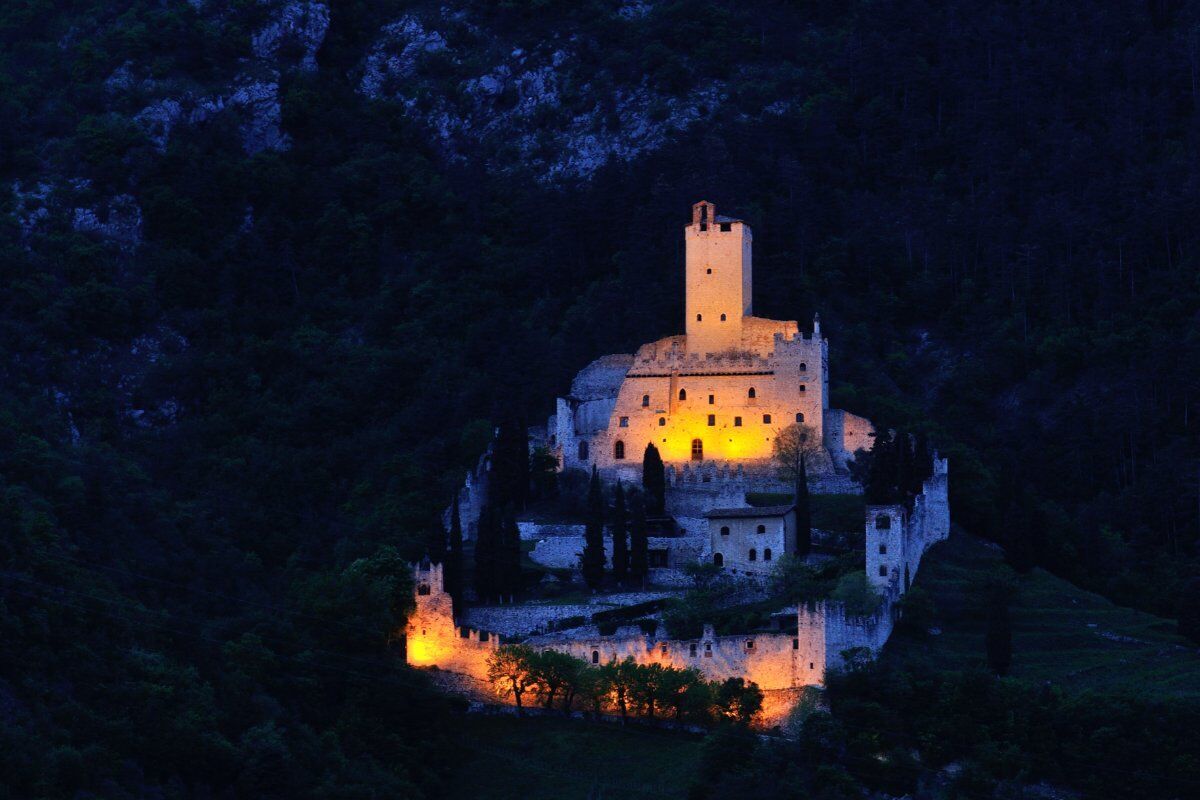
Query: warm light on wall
x: 722, y: 442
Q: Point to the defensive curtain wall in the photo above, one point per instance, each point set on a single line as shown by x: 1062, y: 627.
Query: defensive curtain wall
x: 776, y: 661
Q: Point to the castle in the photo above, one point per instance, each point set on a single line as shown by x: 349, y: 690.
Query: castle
x: 712, y: 401
x: 717, y: 395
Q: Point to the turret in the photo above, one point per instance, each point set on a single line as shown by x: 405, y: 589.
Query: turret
x: 718, y: 278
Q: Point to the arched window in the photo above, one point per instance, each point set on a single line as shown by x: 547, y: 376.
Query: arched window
x: 753, y: 554
x: 619, y: 450
x: 722, y: 318
x: 683, y: 394
x: 766, y: 419
x: 645, y: 401
x: 803, y: 367
x: 595, y: 656
x: 762, y: 528
x: 583, y: 451
x: 883, y: 522
x: 718, y: 559
x: 724, y: 530
x: 697, y: 450
x: 699, y: 318
x: 751, y: 394
x: 799, y: 418
x: 662, y: 422
x: 883, y: 570
x: 423, y: 589
x: 767, y: 554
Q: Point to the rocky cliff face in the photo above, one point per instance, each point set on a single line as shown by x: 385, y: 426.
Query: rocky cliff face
x: 538, y: 108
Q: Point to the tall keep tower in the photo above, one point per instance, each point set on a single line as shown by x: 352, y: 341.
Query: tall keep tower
x: 719, y: 280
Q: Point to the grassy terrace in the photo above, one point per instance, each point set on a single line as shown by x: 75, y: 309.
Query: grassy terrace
x: 543, y: 758
x: 1061, y: 633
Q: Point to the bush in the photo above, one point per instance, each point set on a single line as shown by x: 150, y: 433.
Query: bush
x: 857, y: 594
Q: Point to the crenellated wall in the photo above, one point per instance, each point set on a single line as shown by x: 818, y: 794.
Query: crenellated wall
x: 825, y: 631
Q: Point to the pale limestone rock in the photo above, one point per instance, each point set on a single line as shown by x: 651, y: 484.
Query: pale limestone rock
x: 304, y: 22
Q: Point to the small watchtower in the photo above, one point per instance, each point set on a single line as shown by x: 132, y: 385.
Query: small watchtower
x: 719, y: 281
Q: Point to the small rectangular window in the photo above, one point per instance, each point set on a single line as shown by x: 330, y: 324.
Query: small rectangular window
x: 712, y: 420
x: 737, y: 422
x: 766, y: 419
x: 749, y: 644
x: 883, y: 570
x: 803, y: 389
x: 712, y: 398
x: 624, y: 422
x: 726, y: 227
x: 795, y: 644
x: 692, y: 650
x: 883, y: 549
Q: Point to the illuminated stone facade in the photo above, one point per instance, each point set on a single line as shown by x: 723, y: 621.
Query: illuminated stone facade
x: 720, y: 392
x: 432, y: 639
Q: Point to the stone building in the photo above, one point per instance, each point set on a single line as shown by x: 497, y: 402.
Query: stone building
x: 750, y: 541
x: 718, y: 393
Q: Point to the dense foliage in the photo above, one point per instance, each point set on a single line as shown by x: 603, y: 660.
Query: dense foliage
x: 219, y: 445
x: 562, y: 682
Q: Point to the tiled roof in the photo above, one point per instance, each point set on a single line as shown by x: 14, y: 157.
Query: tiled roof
x: 761, y: 511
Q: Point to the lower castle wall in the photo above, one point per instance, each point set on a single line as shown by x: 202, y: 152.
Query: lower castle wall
x: 777, y: 662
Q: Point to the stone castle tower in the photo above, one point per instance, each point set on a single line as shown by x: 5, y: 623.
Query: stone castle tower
x: 719, y: 279
x: 432, y: 638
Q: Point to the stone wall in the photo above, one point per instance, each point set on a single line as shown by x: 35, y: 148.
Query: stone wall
x: 845, y: 434
x: 564, y: 551
x: 525, y: 619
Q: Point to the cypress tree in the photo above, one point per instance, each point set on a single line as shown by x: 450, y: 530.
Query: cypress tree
x: 620, y: 536
x: 509, y: 477
x: 922, y: 463
x: 487, y: 551
x: 593, y: 548
x: 508, y: 579
x: 880, y: 488
x: 639, y: 565
x: 454, y: 558
x: 654, y: 481
x: 803, y: 512
x: 902, y: 482
x: 999, y: 638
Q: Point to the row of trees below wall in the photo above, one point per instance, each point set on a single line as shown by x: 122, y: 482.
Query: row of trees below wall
x: 560, y: 681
